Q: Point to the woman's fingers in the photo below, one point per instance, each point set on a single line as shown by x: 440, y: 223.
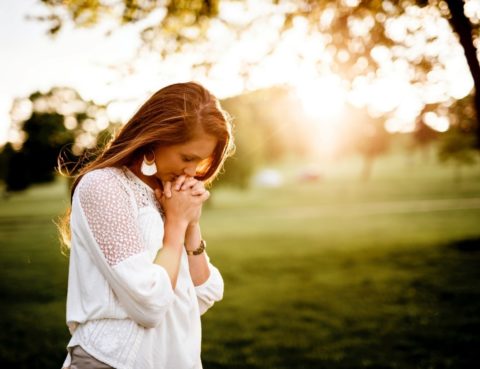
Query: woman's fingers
x: 182, y: 183
x: 188, y: 183
x: 197, y: 192
x: 198, y: 189
x: 204, y: 197
x: 167, y: 189
x: 179, y: 182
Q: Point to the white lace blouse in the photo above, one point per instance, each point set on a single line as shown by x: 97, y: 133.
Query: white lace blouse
x: 121, y: 307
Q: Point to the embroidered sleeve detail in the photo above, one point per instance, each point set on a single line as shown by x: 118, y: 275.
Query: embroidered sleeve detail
x: 144, y: 196
x: 110, y: 215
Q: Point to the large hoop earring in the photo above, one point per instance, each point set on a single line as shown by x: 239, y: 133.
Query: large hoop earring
x: 148, y: 167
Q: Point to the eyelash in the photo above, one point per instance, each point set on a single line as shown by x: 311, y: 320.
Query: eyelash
x: 187, y: 160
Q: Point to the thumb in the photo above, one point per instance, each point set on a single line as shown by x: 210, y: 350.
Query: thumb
x: 158, y: 194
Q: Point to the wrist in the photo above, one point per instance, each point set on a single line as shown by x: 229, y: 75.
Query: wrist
x: 174, y: 233
x: 199, y: 250
x: 176, y: 223
x: 193, y: 225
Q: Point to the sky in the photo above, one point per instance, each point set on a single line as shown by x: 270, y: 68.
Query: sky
x: 79, y: 58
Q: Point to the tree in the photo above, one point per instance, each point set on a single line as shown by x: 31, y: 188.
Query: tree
x: 46, y: 135
x: 353, y: 30
x: 51, y: 123
x: 423, y: 134
x: 458, y: 148
x: 267, y: 128
x: 15, y: 177
x: 457, y: 145
x: 466, y: 32
x: 365, y: 135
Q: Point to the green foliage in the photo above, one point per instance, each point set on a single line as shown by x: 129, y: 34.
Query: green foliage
x: 458, y: 144
x: 86, y: 13
x: 352, y: 30
x: 462, y: 115
x: 59, y: 124
x: 268, y: 128
x: 423, y: 135
x: 183, y: 21
x: 193, y: 8
x: 5, y: 153
x: 35, y: 162
x: 46, y: 135
x: 458, y: 147
x: 365, y: 135
x: 16, y: 176
x: 371, y: 139
x: 249, y: 146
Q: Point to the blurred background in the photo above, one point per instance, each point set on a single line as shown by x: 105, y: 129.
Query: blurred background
x: 347, y: 224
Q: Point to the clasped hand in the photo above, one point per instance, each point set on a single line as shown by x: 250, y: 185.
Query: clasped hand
x: 182, y: 200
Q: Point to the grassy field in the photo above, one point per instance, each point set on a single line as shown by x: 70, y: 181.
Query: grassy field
x: 333, y: 274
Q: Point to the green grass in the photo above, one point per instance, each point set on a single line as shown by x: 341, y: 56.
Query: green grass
x: 33, y: 279
x: 335, y: 274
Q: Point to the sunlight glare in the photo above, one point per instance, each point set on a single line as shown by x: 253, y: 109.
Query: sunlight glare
x: 324, y: 102
x: 323, y: 99
x: 438, y: 123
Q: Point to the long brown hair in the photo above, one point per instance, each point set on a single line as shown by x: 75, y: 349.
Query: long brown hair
x: 173, y: 115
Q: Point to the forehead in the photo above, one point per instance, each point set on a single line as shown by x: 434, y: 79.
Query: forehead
x: 201, y: 147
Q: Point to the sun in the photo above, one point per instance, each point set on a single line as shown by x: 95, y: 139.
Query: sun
x: 323, y: 98
x: 324, y: 101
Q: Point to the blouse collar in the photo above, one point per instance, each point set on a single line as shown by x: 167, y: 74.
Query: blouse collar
x: 135, y: 178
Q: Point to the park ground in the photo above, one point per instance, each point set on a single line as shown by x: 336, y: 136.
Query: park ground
x: 337, y: 273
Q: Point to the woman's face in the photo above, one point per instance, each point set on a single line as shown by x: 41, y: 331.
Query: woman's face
x: 173, y: 161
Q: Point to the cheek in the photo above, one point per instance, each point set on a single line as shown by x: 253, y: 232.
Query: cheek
x: 177, y: 164
x: 172, y: 164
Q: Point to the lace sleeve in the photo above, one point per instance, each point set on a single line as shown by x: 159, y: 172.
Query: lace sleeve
x: 104, y: 222
x: 110, y: 215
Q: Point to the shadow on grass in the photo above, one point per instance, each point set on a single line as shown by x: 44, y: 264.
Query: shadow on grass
x: 441, y: 324
x: 415, y: 308
x: 468, y: 245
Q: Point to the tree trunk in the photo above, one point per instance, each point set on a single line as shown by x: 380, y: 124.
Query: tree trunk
x: 463, y: 28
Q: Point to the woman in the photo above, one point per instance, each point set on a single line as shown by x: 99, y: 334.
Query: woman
x: 139, y: 276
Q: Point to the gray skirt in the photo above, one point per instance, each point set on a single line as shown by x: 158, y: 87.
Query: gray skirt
x: 83, y: 360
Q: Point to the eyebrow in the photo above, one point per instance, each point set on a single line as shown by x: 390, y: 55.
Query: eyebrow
x: 192, y: 156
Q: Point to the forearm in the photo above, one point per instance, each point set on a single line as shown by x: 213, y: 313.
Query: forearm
x: 198, y: 264
x: 169, y: 255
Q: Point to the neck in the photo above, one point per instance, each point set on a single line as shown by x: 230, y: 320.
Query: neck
x: 152, y: 181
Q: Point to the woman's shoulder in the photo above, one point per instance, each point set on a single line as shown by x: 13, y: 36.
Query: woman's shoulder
x: 101, y: 180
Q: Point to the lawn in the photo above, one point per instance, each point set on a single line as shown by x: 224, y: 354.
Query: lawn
x: 332, y: 274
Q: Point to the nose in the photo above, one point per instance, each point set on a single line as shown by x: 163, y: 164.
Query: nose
x: 191, y: 170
